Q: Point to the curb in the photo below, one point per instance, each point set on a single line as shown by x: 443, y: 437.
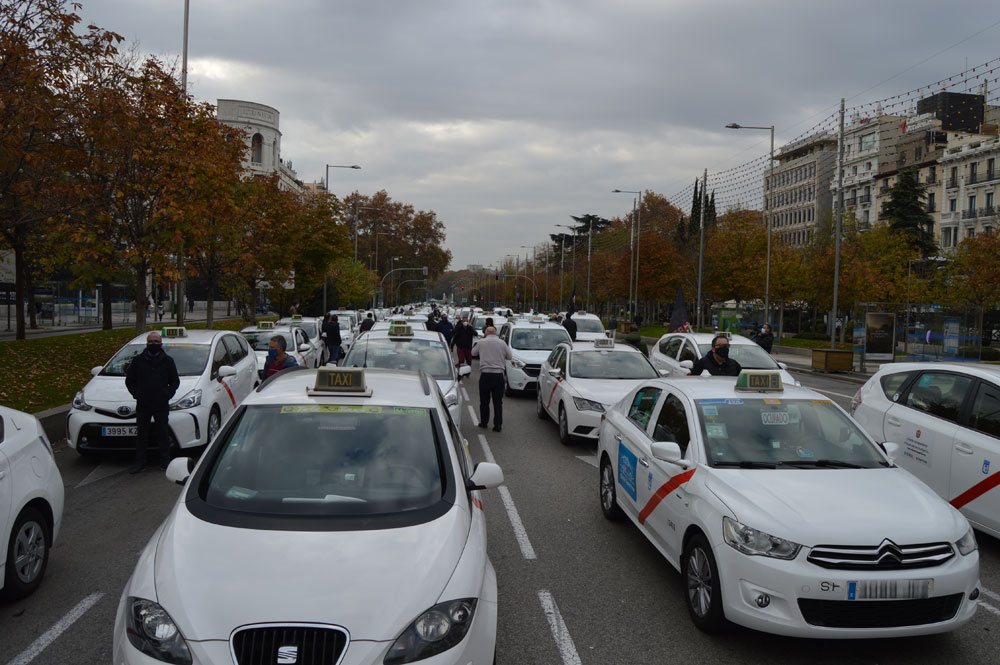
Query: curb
x: 54, y: 421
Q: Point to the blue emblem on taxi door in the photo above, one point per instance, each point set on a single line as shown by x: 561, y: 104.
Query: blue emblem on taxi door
x: 626, y: 470
x: 986, y: 466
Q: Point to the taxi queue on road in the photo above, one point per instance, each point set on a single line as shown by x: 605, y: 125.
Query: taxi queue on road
x: 738, y: 483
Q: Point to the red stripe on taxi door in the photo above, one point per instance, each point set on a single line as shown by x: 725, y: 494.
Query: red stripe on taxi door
x: 230, y: 393
x: 549, y: 405
x: 976, y: 491
x: 662, y: 493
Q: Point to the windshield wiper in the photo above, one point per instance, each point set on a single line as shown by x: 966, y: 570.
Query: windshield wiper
x: 747, y: 464
x: 831, y: 463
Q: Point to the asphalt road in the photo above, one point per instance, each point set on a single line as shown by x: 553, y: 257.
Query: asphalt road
x: 574, y: 588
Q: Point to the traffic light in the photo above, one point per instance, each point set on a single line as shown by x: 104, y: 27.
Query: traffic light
x: 496, y: 276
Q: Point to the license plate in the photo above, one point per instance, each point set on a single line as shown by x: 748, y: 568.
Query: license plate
x: 119, y: 430
x: 889, y: 589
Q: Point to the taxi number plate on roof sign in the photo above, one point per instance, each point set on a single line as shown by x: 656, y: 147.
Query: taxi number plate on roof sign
x: 174, y: 331
x: 265, y: 325
x: 330, y: 408
x: 340, y: 380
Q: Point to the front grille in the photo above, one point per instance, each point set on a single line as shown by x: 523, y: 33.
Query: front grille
x: 879, y: 613
x: 115, y: 414
x: 532, y: 370
x: 886, y: 556
x: 301, y: 644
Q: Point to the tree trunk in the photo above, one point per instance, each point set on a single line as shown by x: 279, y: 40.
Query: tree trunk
x: 107, y: 313
x: 141, y: 299
x: 19, y: 279
x: 210, y: 304
x: 32, y: 305
x: 781, y: 319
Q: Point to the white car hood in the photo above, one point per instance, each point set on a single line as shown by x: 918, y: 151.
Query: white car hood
x: 213, y: 578
x: 837, y: 506
x: 109, y: 392
x: 605, y: 391
x: 531, y: 357
x: 589, y: 336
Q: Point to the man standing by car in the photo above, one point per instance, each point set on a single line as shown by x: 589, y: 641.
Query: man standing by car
x: 331, y: 328
x: 152, y: 380
x: 492, y: 352
x: 367, y: 324
x: 277, y: 359
x: 570, y: 325
x: 717, y: 361
x: 461, y: 339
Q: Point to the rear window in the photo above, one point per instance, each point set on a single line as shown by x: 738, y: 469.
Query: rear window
x: 328, y: 460
x: 260, y: 341
x: 892, y: 384
x: 407, y: 354
x: 589, y: 325
x: 538, y: 339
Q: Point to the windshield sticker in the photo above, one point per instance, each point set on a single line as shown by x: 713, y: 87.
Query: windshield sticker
x: 728, y: 401
x: 330, y: 408
x: 626, y: 470
x: 771, y: 401
x: 821, y: 401
x: 240, y: 493
x: 400, y: 411
x: 774, y: 417
x: 710, y: 410
x: 803, y: 452
x: 926, y: 380
x: 716, y: 430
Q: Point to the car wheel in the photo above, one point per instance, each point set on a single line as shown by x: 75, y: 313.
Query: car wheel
x: 540, y: 408
x: 214, y: 423
x: 507, y: 390
x: 27, y: 554
x: 564, y: 436
x: 701, y: 585
x: 609, y: 495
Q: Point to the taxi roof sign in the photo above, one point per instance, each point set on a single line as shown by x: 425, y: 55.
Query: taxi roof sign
x: 604, y: 343
x: 340, y: 380
x: 723, y: 333
x: 759, y: 381
x: 296, y: 317
x: 265, y: 325
x: 400, y: 329
x: 173, y: 332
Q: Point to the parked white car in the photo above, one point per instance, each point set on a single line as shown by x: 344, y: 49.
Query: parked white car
x: 676, y: 353
x: 217, y: 371
x: 296, y: 344
x: 530, y: 341
x: 313, y: 328
x: 588, y: 326
x: 31, y: 503
x: 946, y: 418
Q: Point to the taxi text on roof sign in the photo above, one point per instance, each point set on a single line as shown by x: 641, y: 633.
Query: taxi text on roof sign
x: 296, y: 317
x: 265, y: 325
x: 604, y: 343
x: 400, y: 329
x: 340, y: 380
x: 174, y: 331
x: 759, y: 381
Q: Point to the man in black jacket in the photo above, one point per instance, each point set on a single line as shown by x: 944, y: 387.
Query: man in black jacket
x: 765, y: 338
x: 368, y: 323
x: 461, y: 339
x: 570, y: 325
x: 717, y: 361
x: 331, y: 328
x: 152, y: 379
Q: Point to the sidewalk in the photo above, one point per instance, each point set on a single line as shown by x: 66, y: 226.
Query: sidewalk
x: 129, y: 322
x: 800, y: 360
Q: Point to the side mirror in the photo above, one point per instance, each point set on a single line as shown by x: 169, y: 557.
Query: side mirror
x: 666, y: 451
x: 94, y: 371
x: 663, y: 372
x: 227, y: 370
x: 687, y: 364
x: 304, y: 347
x: 179, y: 469
x: 891, y: 450
x: 486, y: 476
x: 555, y: 372
x: 464, y: 370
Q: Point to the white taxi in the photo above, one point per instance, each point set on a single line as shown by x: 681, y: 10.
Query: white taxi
x: 946, y: 418
x: 676, y: 353
x: 296, y: 343
x: 530, y: 341
x: 349, y: 326
x: 403, y: 348
x: 782, y: 514
x: 337, y: 518
x: 31, y: 503
x: 578, y: 382
x: 588, y: 326
x: 217, y: 371
x: 313, y: 329
x: 478, y: 324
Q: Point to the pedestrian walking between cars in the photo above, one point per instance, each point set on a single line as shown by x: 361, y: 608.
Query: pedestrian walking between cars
x: 492, y: 353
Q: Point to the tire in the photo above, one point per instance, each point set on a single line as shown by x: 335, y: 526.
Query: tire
x: 609, y: 493
x: 702, y: 592
x: 214, y: 424
x: 540, y: 408
x: 27, y: 554
x: 565, y: 437
x: 507, y: 390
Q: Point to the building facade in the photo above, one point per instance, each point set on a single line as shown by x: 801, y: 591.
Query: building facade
x: 919, y: 147
x: 259, y: 124
x: 869, y: 148
x: 969, y: 188
x: 800, y: 192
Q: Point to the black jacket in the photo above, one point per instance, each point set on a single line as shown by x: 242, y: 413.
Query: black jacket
x: 332, y: 330
x: 367, y: 325
x: 570, y: 326
x: 152, y: 380
x: 765, y: 340
x: 707, y: 361
x: 462, y: 336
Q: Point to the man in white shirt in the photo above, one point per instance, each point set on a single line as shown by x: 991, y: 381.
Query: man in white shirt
x: 492, y: 352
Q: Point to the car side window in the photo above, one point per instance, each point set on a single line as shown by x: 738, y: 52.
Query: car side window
x: 939, y: 394
x: 985, y: 415
x: 688, y: 353
x: 235, y: 350
x: 1, y: 428
x: 243, y: 345
x: 220, y: 358
x: 672, y: 424
x: 669, y: 346
x: 551, y: 360
x: 642, y: 406
x: 561, y: 360
x: 892, y: 384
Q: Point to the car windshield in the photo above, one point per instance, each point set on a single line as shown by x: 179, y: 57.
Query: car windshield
x: 409, y: 354
x: 259, y: 340
x: 480, y: 322
x: 771, y: 433
x: 349, y: 315
x: 749, y: 356
x: 589, y: 325
x: 328, y: 460
x: 538, y: 339
x: 310, y: 328
x: 189, y: 358
x: 609, y: 365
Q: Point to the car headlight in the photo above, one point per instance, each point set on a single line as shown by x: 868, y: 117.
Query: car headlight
x: 757, y: 543
x: 517, y: 363
x: 587, y: 405
x: 79, y: 403
x: 189, y: 401
x: 436, y: 630
x: 967, y: 543
x: 151, y: 630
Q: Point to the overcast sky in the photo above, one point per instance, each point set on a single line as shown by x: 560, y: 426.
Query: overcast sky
x: 507, y: 116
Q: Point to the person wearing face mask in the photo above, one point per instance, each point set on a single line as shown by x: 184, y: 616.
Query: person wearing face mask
x: 717, y: 361
x: 152, y: 380
x: 277, y: 359
x: 764, y: 337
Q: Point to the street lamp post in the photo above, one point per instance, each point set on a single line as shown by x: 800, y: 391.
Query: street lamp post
x: 767, y: 207
x: 328, y: 167
x: 534, y: 304
x: 634, y: 246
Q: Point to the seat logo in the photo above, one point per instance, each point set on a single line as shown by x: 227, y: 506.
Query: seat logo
x: 288, y: 655
x: 124, y: 410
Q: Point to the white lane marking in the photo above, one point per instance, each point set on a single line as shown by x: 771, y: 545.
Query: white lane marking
x: 990, y: 594
x: 472, y: 412
x: 564, y: 642
x: 986, y: 606
x: 527, y: 551
x: 830, y: 392
x: 105, y: 470
x: 50, y: 636
x: 589, y: 459
x: 465, y: 394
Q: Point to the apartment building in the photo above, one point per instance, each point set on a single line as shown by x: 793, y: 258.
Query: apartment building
x: 919, y: 146
x: 869, y: 148
x: 800, y: 191
x: 259, y: 123
x: 971, y: 183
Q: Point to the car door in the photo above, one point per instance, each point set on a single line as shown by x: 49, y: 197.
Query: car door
x: 242, y: 383
x: 546, y: 380
x: 666, y: 354
x: 632, y: 455
x: 975, y: 465
x: 221, y: 393
x: 305, y: 358
x: 689, y: 351
x: 662, y: 493
x: 924, y: 422
x: 558, y: 384
x: 6, y: 492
